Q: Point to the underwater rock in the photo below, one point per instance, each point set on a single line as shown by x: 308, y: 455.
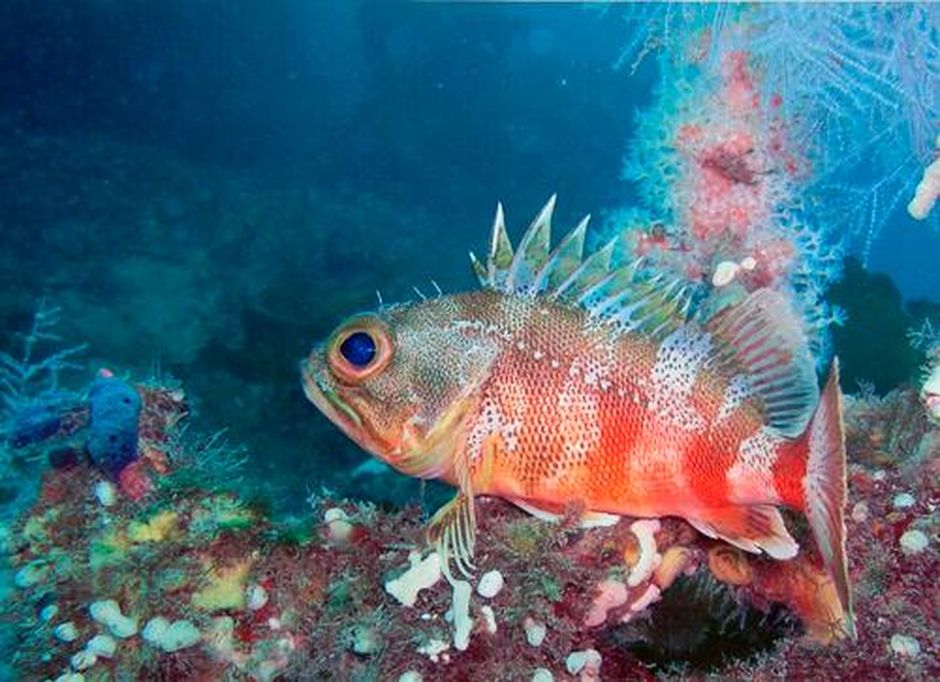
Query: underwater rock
x: 876, y: 313
x: 63, y: 458
x: 115, y: 410
x: 264, y: 602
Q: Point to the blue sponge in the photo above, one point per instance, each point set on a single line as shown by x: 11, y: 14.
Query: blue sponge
x: 115, y: 408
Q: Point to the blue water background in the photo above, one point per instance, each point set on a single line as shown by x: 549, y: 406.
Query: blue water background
x: 292, y: 158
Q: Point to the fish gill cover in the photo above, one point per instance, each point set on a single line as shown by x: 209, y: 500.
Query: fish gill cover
x: 780, y: 138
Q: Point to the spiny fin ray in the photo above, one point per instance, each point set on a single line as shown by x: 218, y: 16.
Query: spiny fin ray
x: 500, y: 257
x: 617, y: 296
x: 532, y: 251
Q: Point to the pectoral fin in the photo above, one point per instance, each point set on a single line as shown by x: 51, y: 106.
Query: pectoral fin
x: 452, y: 532
x: 753, y: 529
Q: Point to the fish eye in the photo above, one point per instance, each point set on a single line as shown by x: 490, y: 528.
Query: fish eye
x: 359, y: 349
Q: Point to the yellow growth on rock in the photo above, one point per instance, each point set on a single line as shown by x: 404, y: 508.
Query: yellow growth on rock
x: 226, y: 588
x: 157, y: 528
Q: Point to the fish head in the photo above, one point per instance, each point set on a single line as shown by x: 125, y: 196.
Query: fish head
x: 400, y: 382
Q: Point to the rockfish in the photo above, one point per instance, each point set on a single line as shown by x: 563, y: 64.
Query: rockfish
x: 568, y: 383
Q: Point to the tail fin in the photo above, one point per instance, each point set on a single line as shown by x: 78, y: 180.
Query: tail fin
x: 825, y: 489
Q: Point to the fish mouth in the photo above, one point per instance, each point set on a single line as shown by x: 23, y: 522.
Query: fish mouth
x: 330, y: 404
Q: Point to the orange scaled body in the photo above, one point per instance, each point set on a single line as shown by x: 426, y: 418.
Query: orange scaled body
x: 568, y: 415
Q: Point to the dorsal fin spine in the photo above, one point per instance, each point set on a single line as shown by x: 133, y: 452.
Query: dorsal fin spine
x: 564, y: 259
x: 522, y: 272
x: 619, y: 297
x: 597, y: 262
x: 500, y: 250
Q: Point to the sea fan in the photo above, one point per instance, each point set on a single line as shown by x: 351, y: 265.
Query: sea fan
x: 32, y: 403
x: 859, y: 82
x: 34, y: 377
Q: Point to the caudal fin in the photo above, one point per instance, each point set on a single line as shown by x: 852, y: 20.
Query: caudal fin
x: 825, y: 489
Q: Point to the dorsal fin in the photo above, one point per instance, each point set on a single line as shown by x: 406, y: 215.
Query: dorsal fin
x: 500, y: 257
x: 763, y: 338
x: 564, y: 260
x: 618, y: 296
x: 532, y: 253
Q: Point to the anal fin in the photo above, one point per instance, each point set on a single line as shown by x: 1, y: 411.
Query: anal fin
x: 754, y: 529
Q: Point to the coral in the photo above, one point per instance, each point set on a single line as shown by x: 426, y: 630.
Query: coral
x: 108, y: 613
x: 170, y: 637
x: 720, y: 167
x: 927, y: 190
x: 421, y: 575
x: 859, y: 81
x: 223, y: 591
x: 34, y: 406
x: 32, y: 376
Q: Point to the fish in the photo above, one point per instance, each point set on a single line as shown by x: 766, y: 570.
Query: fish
x: 571, y: 381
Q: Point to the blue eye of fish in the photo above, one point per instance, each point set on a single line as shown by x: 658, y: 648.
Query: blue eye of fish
x: 358, y: 349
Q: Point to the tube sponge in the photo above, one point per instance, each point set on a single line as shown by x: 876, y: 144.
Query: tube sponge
x: 925, y: 196
x: 115, y: 408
